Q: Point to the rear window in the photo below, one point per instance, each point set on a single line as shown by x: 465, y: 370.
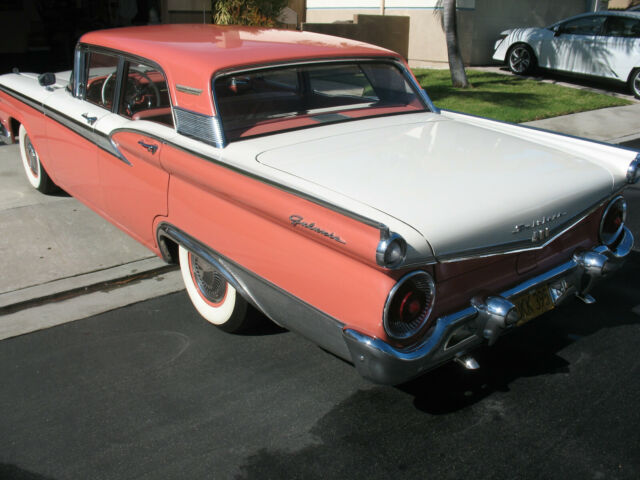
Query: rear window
x: 269, y: 100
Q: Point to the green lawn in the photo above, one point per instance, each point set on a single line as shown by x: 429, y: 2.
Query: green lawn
x: 508, y: 97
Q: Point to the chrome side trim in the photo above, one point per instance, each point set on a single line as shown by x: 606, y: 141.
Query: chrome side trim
x: 383, y: 363
x: 80, y: 128
x: 279, y: 305
x: 538, y: 129
x: 23, y: 98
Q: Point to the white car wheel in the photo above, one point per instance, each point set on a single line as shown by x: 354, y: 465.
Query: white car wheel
x: 521, y: 59
x: 211, y: 294
x: 36, y: 174
x: 634, y: 82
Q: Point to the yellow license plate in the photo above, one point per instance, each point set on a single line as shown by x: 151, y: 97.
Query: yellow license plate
x: 533, y: 303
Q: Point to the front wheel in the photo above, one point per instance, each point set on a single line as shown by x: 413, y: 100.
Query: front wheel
x: 634, y: 82
x: 36, y: 174
x: 521, y: 59
x: 214, y: 298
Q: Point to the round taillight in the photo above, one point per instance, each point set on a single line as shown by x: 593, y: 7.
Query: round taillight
x: 408, y: 305
x: 613, y: 220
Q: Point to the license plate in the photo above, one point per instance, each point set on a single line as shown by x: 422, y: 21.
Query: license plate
x: 533, y: 303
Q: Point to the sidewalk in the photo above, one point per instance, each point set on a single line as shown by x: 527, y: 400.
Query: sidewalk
x: 62, y: 262
x: 55, y: 250
x: 611, y: 125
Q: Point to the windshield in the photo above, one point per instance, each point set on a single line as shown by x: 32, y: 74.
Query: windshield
x: 268, y: 100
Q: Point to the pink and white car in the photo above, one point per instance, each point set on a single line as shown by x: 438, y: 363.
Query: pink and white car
x: 312, y: 178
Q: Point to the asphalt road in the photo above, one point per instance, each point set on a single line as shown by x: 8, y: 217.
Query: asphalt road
x: 151, y: 391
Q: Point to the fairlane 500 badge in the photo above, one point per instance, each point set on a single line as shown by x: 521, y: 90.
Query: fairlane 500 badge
x: 298, y: 220
x: 540, y: 231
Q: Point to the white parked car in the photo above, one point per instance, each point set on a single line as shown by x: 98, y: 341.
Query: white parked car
x: 603, y: 44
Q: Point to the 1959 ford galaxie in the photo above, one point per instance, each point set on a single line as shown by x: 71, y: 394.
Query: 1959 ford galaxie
x: 312, y: 178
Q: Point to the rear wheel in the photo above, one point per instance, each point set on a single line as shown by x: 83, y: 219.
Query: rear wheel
x: 36, y: 174
x: 521, y: 59
x: 634, y: 82
x: 214, y: 298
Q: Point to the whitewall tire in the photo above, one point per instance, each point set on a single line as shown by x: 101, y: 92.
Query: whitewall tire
x: 35, y: 172
x: 214, y: 298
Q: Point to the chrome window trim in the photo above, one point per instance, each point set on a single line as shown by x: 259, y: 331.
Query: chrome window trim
x: 129, y: 57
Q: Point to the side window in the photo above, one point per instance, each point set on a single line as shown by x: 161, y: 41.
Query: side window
x: 622, y: 27
x: 101, y: 79
x: 145, y: 94
x: 591, y: 25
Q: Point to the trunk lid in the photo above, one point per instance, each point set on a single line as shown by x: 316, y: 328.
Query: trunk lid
x: 467, y: 189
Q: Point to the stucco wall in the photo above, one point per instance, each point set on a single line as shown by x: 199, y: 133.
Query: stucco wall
x: 389, y: 31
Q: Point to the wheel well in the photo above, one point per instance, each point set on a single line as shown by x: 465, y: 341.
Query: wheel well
x: 632, y: 73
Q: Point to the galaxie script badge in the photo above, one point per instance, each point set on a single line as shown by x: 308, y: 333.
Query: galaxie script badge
x: 298, y: 220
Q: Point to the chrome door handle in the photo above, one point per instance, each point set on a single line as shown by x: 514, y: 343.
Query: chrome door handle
x: 90, y: 120
x: 149, y: 146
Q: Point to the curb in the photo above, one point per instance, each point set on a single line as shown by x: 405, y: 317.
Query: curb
x: 66, y: 288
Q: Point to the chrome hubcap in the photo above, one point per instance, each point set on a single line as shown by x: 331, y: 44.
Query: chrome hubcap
x: 209, y: 280
x: 520, y: 60
x: 32, y: 155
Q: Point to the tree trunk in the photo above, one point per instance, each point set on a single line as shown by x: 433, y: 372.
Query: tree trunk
x: 456, y: 66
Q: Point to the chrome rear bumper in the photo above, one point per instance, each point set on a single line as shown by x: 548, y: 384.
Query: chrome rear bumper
x: 483, y: 321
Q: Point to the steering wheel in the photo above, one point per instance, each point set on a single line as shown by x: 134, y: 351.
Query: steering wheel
x: 138, y: 90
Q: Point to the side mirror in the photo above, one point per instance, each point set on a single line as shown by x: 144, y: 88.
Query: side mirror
x: 556, y: 31
x: 47, y: 79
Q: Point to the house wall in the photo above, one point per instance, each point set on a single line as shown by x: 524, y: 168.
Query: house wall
x: 479, y: 22
x: 388, y: 31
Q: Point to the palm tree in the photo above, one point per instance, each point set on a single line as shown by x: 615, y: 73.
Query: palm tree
x: 456, y: 66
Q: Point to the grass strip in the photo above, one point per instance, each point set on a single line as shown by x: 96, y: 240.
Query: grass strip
x: 508, y: 97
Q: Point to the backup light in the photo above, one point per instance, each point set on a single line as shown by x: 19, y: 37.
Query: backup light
x: 391, y: 251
